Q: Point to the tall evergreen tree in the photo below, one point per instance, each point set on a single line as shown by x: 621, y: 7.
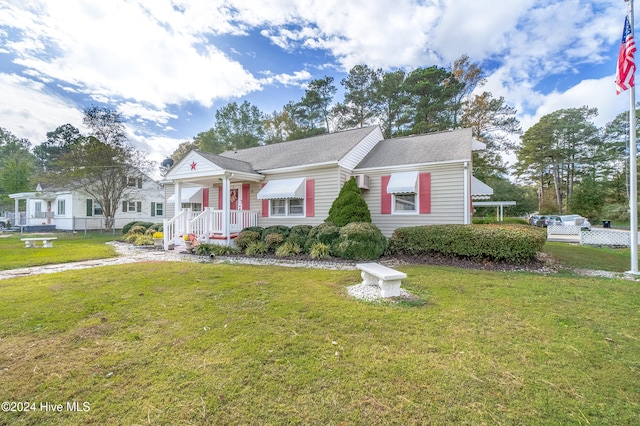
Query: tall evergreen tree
x: 349, y: 206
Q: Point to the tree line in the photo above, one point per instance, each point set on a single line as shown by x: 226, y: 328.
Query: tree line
x: 564, y: 162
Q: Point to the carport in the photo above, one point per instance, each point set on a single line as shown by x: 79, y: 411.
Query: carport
x: 499, y: 205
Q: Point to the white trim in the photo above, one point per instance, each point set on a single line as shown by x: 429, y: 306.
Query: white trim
x: 405, y: 212
x: 406, y: 166
x: 300, y: 168
x: 287, y: 208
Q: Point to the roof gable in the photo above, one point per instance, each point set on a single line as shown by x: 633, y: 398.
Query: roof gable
x: 449, y: 146
x: 328, y: 148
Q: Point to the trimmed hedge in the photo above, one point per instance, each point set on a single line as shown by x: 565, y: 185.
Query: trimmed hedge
x: 299, y: 234
x: 359, y: 241
x: 513, y: 243
x: 325, y: 233
x: 493, y: 220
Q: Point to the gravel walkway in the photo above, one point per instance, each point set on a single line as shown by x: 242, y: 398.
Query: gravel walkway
x: 130, y: 254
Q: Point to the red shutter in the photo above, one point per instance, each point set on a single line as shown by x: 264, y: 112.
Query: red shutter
x: 246, y: 196
x: 205, y: 197
x: 310, y: 198
x: 220, y: 197
x: 425, y: 192
x: 385, y: 201
x: 265, y: 206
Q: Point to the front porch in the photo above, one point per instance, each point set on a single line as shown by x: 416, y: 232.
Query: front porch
x: 208, y: 226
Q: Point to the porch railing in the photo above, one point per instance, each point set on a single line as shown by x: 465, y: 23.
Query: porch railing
x: 206, y: 224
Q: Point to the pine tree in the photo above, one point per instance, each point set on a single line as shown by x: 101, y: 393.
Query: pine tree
x: 349, y: 206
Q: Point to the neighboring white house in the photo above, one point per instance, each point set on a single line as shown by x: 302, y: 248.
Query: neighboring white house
x: 74, y: 210
x: 416, y: 180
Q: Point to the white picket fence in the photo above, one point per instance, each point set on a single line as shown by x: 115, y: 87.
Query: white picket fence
x: 596, y: 237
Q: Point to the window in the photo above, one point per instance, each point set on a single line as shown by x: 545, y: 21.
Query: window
x: 97, y: 209
x: 134, y: 182
x: 38, y: 206
x: 278, y: 207
x: 156, y: 209
x: 61, y: 207
x: 132, y: 206
x: 288, y: 207
x: 404, y: 203
x: 195, y: 207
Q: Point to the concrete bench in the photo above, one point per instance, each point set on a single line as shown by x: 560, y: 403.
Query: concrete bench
x: 387, y: 279
x: 47, y: 242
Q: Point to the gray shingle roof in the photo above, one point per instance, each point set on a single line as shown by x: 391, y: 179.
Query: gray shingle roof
x: 420, y: 149
x: 228, y: 163
x: 314, y: 150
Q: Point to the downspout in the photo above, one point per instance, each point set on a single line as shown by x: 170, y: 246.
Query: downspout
x: 467, y: 198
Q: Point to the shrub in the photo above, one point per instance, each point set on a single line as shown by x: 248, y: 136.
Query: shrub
x: 215, y: 249
x: 349, y: 207
x: 246, y: 237
x: 359, y: 241
x: 273, y: 241
x: 258, y: 229
x: 149, y: 231
x: 299, y: 234
x: 493, y: 220
x: 137, y: 229
x: 288, y: 249
x: 143, y: 240
x: 514, y: 243
x: 320, y: 251
x: 156, y: 227
x: 277, y: 229
x: 325, y: 233
x: 128, y: 226
x: 130, y: 238
x: 146, y: 225
x: 258, y: 248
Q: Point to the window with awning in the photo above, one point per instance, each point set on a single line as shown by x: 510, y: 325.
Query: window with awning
x: 403, y: 183
x: 282, y: 189
x: 288, y: 197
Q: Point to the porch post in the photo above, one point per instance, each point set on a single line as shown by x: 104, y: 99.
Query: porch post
x: 16, y: 219
x: 226, y: 207
x: 178, y: 194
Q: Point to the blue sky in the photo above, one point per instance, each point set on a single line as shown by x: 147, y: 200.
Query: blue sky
x: 168, y: 65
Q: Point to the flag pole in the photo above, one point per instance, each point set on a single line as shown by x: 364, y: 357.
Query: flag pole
x: 633, y: 184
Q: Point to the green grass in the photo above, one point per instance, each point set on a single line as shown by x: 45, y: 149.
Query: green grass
x: 576, y: 256
x: 183, y: 343
x: 67, y: 248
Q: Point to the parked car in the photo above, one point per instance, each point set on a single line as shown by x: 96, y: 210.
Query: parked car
x: 577, y: 220
x: 533, y: 220
x: 4, y: 223
x: 545, y: 221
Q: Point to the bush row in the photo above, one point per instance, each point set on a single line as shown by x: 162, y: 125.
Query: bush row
x: 141, y: 233
x: 354, y: 241
x: 514, y: 243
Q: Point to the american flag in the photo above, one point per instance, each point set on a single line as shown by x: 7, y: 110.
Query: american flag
x: 626, y: 65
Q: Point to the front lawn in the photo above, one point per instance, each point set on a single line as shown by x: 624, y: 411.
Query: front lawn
x: 600, y: 258
x: 185, y: 343
x: 67, y: 248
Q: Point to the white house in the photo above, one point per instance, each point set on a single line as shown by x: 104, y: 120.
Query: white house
x: 73, y: 210
x: 416, y: 180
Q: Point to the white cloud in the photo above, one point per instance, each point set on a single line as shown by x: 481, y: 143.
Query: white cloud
x: 33, y: 110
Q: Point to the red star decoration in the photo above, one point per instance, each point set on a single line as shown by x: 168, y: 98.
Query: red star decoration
x: 193, y: 165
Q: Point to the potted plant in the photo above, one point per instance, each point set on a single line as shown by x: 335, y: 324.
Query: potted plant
x: 190, y: 242
x: 158, y: 239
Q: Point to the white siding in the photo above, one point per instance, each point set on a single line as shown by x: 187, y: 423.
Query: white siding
x: 447, y: 199
x: 327, y: 187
